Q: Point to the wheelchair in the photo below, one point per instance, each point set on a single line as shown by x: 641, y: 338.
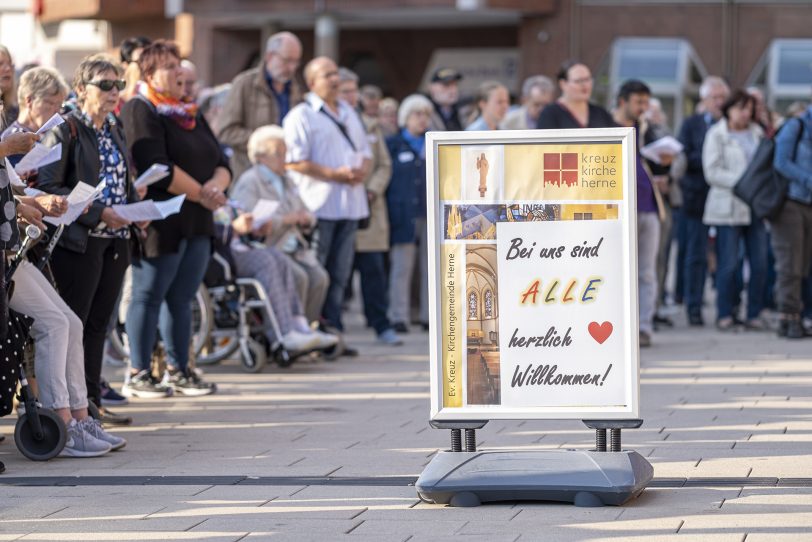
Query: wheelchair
x: 240, y: 311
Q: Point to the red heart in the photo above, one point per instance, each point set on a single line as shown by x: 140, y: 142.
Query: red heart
x: 600, y: 332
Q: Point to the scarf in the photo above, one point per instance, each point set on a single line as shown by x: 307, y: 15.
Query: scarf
x: 181, y: 112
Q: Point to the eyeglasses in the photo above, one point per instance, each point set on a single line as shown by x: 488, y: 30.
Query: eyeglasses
x: 581, y: 81
x: 107, y: 85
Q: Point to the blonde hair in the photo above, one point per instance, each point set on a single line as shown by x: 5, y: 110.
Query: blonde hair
x: 9, y: 96
x: 260, y: 139
x: 483, y: 94
x: 39, y: 83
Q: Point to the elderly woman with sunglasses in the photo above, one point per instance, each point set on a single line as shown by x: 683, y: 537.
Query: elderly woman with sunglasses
x: 163, y: 128
x: 94, y: 252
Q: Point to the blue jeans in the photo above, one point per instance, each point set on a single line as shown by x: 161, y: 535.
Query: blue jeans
x: 729, y: 241
x: 163, y: 291
x: 678, y: 234
x: 335, y: 249
x: 696, y: 262
x: 373, y: 288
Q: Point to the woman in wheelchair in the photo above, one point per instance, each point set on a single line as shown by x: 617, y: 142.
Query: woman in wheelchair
x: 239, y: 242
x: 291, y: 222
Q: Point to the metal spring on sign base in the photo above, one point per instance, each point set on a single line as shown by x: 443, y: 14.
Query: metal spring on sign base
x: 614, y: 435
x: 600, y: 440
x: 470, y: 440
x: 456, y: 440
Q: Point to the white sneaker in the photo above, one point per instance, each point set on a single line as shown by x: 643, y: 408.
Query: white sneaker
x: 295, y: 341
x: 80, y: 443
x: 94, y: 427
x: 325, y: 340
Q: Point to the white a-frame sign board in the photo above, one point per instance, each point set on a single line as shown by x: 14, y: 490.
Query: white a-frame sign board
x: 533, y: 274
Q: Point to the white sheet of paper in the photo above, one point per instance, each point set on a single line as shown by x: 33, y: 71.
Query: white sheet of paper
x: 12, y: 175
x: 51, y: 123
x: 149, y: 209
x: 263, y: 211
x: 664, y: 145
x: 38, y: 157
x: 155, y: 173
x: 81, y: 195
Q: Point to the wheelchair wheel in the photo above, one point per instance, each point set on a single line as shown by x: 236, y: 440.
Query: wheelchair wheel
x: 54, y: 435
x: 201, y: 326
x: 252, y: 355
x: 221, y: 344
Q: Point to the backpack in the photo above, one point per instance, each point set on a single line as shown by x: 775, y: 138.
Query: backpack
x: 762, y: 187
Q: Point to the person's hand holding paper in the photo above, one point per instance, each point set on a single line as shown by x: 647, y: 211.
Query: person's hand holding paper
x: 662, y: 151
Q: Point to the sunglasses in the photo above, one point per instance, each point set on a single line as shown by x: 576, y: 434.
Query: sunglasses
x: 107, y: 85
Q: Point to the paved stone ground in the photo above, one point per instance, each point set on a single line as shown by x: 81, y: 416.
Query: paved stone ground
x: 328, y: 451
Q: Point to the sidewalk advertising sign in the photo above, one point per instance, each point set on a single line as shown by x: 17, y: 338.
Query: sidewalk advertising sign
x: 533, y: 274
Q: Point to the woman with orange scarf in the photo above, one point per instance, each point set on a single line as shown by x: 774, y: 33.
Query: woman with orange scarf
x: 161, y: 128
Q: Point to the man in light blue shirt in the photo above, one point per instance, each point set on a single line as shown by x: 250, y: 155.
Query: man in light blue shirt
x: 329, y: 158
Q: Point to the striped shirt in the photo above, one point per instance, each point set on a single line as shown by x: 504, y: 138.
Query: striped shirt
x: 313, y: 136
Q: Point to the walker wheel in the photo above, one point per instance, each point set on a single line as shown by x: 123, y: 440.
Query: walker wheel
x: 54, y: 435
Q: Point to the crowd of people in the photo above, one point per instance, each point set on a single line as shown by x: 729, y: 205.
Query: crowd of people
x: 346, y: 166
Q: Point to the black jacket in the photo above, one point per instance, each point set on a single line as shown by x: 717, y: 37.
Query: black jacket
x: 694, y: 187
x: 556, y: 116
x: 80, y: 162
x: 157, y: 139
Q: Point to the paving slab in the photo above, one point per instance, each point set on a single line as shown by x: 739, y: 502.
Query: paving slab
x: 331, y: 449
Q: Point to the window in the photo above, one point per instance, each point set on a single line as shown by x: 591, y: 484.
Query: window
x: 473, y: 306
x: 784, y: 72
x: 488, y: 304
x: 670, y: 66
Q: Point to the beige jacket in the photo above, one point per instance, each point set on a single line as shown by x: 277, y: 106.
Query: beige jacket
x: 724, y: 162
x: 252, y: 187
x: 375, y: 238
x: 249, y: 105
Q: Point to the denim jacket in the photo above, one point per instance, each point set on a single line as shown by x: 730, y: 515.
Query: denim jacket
x: 796, y: 164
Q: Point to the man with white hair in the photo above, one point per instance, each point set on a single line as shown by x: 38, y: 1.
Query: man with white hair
x: 713, y: 93
x: 537, y: 92
x: 260, y: 96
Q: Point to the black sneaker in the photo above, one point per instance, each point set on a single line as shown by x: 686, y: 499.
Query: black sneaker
x: 146, y: 386
x: 108, y: 417
x: 188, y: 383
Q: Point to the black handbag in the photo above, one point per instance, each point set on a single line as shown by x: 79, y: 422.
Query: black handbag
x: 762, y: 187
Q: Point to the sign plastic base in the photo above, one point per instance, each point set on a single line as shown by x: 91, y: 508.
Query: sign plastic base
x: 584, y: 478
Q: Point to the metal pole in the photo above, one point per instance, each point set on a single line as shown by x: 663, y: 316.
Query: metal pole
x: 456, y: 440
x: 600, y: 440
x: 614, y: 436
x: 470, y: 440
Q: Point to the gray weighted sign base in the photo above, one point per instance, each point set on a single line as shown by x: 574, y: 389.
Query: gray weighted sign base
x: 584, y: 478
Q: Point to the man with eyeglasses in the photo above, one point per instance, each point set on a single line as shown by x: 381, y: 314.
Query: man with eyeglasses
x: 261, y: 96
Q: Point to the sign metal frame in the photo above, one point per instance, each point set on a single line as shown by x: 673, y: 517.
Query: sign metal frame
x: 628, y: 217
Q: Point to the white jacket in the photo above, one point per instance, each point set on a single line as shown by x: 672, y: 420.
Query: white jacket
x: 724, y: 162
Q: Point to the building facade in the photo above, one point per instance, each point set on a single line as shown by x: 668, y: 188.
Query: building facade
x: 397, y: 43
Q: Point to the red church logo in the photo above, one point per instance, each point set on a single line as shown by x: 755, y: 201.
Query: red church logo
x: 561, y: 168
